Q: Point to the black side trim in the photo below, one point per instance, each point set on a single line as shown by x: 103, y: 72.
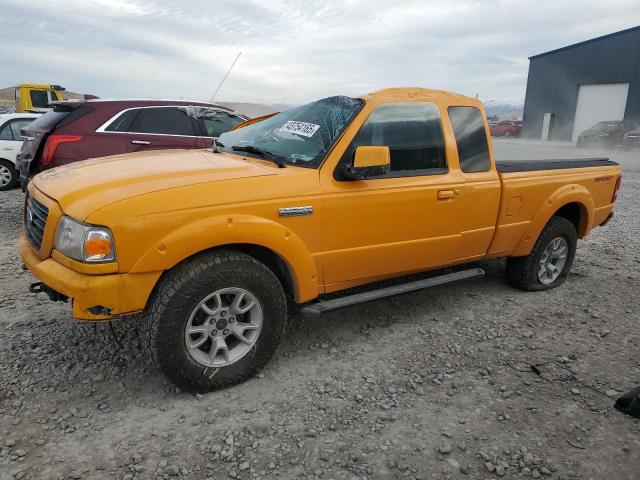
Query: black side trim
x: 318, y: 308
x: 536, y: 165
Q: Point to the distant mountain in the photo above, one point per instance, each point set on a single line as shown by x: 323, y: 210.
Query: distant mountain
x: 249, y: 109
x: 504, y: 111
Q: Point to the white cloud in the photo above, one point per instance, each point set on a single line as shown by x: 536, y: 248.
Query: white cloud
x: 292, y: 51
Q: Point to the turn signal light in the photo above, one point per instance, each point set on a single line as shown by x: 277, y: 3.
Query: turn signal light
x: 98, y: 247
x: 52, y: 144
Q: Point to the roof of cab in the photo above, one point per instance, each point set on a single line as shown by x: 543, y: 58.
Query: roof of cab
x: 402, y: 93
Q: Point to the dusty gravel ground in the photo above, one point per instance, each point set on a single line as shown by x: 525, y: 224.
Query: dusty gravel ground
x: 430, y: 385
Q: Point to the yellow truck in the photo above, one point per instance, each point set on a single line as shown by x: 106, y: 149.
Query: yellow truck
x: 212, y: 247
x: 30, y: 96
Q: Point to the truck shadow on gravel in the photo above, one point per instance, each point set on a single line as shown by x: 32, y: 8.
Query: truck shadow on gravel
x: 91, y: 358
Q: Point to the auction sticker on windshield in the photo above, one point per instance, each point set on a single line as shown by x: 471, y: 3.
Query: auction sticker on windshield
x: 300, y: 128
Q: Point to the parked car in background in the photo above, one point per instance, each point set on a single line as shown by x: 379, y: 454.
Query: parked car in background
x: 78, y: 130
x: 505, y: 129
x: 10, y: 143
x: 607, y: 134
x: 631, y: 139
x: 36, y: 95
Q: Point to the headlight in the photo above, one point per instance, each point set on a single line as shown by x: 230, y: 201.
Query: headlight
x: 84, y: 243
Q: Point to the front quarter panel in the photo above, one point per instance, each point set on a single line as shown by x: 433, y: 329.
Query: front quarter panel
x: 157, y: 231
x: 189, y: 240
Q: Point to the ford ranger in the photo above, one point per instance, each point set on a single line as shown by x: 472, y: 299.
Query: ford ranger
x: 213, y: 246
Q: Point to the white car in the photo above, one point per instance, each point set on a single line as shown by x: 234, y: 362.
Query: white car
x: 10, y: 143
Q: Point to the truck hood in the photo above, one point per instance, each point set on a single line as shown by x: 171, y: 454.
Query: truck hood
x: 101, y: 182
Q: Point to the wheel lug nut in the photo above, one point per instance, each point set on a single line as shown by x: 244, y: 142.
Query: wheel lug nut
x: 226, y: 331
x: 231, y: 320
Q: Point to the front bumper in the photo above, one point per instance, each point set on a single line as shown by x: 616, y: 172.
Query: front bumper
x: 117, y: 293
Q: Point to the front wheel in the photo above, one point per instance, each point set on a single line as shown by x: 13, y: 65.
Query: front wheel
x: 215, y: 321
x: 8, y: 175
x: 550, y: 260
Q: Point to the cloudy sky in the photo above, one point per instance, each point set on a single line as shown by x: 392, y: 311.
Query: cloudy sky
x: 292, y: 50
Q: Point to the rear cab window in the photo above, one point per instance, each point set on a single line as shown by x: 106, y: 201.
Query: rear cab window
x: 39, y: 98
x: 471, y: 139
x: 413, y: 133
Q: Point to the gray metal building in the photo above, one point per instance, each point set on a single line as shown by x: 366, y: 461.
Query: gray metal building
x: 572, y: 88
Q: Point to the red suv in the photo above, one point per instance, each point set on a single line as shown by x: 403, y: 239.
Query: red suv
x: 75, y: 131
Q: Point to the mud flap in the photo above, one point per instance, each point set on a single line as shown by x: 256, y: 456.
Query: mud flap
x: 629, y: 403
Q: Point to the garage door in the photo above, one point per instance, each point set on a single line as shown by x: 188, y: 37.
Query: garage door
x: 599, y: 103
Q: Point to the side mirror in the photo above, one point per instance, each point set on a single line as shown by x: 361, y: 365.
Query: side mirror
x: 369, y: 162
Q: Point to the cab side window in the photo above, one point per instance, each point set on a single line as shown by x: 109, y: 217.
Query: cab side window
x: 413, y: 133
x: 471, y: 138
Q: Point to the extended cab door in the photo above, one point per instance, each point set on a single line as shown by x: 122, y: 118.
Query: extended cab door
x: 156, y: 128
x: 479, y: 200
x: 409, y: 220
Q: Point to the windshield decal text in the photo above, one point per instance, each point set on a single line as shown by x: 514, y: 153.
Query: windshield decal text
x: 300, y: 128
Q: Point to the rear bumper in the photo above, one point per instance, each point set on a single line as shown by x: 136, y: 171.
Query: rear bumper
x: 118, y: 293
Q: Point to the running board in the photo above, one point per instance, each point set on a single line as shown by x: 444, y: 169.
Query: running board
x: 321, y: 307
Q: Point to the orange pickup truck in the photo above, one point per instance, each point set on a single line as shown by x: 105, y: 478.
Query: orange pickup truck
x: 213, y: 247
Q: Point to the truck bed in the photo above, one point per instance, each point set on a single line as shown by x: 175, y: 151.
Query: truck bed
x: 511, y: 166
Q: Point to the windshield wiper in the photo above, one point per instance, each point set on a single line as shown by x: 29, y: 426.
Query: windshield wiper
x: 258, y: 151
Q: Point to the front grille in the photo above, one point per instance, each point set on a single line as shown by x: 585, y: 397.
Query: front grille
x: 35, y: 219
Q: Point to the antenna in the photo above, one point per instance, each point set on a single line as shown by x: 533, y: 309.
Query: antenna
x: 224, y: 78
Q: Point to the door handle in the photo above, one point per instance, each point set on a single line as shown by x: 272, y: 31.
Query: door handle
x: 7, y: 148
x: 447, y: 194
x: 140, y: 142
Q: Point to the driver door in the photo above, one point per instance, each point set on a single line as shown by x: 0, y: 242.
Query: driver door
x: 407, y: 220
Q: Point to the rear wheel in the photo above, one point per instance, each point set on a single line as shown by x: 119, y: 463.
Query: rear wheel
x: 550, y: 260
x: 215, y: 321
x: 8, y: 175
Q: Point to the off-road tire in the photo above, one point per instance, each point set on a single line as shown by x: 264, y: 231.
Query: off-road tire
x: 522, y: 272
x: 14, y: 175
x: 178, y: 293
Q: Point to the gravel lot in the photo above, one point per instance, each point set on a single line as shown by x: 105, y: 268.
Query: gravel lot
x: 432, y: 385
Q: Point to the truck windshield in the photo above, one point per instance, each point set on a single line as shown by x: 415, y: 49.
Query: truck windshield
x: 301, y: 136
